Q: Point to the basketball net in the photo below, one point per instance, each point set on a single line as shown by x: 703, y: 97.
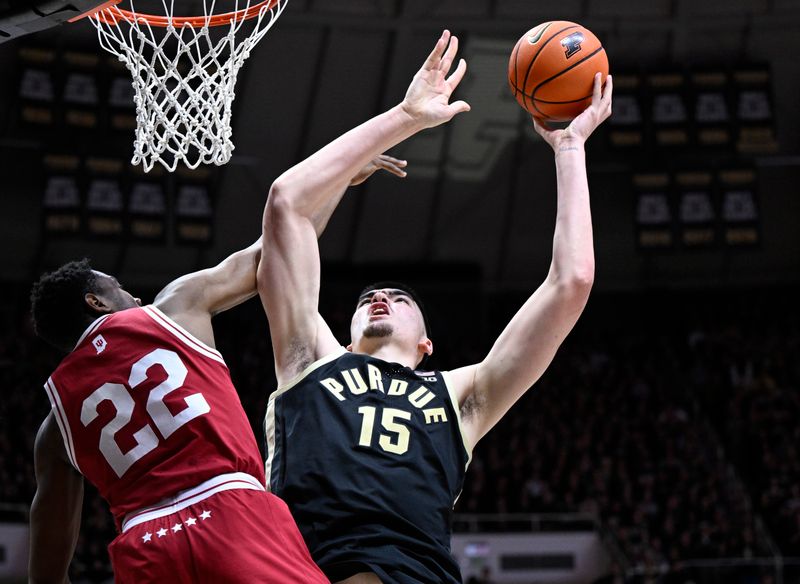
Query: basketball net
x: 184, y: 76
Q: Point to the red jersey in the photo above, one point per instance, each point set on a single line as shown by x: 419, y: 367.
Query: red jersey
x: 147, y: 410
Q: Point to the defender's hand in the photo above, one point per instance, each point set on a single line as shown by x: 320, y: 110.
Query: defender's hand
x: 428, y: 97
x: 380, y: 162
x: 581, y: 127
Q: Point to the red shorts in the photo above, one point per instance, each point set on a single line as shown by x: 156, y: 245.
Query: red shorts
x: 237, y: 535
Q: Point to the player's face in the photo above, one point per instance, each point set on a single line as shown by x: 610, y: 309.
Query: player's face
x: 112, y: 295
x: 387, y: 312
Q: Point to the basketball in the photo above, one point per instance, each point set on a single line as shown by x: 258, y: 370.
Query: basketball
x: 552, y: 67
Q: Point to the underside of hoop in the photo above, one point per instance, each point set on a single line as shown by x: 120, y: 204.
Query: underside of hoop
x: 111, y: 14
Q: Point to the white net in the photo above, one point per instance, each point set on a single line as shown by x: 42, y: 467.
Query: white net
x: 184, y: 75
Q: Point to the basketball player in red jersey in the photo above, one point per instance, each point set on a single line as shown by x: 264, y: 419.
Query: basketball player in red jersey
x: 144, y: 408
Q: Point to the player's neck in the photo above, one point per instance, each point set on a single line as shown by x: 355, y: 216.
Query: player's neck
x: 391, y: 352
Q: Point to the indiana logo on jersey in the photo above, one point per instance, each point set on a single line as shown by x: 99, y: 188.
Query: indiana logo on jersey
x: 99, y: 343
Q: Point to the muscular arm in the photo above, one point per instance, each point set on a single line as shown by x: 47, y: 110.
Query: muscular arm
x: 529, y: 342
x: 193, y: 299
x: 56, y: 508
x: 289, y: 274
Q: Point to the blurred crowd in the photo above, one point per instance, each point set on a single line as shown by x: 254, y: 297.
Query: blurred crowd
x: 680, y: 434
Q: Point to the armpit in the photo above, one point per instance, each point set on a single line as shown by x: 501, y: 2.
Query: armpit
x: 472, y: 405
x: 299, y: 355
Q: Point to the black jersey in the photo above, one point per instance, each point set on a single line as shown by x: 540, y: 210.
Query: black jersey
x: 370, y: 457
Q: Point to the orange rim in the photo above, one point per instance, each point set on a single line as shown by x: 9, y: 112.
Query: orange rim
x: 113, y: 14
x: 94, y: 11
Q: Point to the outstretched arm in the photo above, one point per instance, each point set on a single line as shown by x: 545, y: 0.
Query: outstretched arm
x: 56, y: 508
x: 530, y: 341
x: 193, y: 299
x: 288, y: 276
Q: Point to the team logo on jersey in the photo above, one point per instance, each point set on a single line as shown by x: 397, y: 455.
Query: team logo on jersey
x: 572, y: 43
x: 99, y: 344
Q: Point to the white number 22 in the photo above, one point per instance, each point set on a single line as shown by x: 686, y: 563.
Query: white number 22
x: 120, y: 397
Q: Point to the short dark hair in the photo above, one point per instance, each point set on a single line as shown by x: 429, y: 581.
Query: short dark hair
x: 60, y: 313
x: 390, y: 285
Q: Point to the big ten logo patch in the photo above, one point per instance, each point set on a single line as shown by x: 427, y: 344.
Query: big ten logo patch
x: 478, y: 138
x: 99, y: 343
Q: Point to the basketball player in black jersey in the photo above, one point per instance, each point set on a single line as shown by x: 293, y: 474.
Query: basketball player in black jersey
x: 369, y: 453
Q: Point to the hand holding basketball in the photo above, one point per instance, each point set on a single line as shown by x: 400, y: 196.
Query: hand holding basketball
x: 551, y: 68
x: 428, y: 97
x: 581, y: 127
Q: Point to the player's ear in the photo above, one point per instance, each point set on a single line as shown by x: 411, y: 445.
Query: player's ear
x: 349, y: 347
x: 425, y: 346
x: 96, y: 303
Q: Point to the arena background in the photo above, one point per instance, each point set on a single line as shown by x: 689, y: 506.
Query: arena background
x: 661, y: 446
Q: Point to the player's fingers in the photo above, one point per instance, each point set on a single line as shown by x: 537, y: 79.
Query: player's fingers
x: 541, y: 127
x: 393, y: 160
x: 597, y: 89
x: 432, y: 62
x: 449, y: 54
x: 444, y: 67
x: 608, y: 91
x: 457, y: 75
x: 394, y: 169
x: 459, y: 107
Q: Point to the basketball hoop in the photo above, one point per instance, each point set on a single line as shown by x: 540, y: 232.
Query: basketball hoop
x: 183, y: 76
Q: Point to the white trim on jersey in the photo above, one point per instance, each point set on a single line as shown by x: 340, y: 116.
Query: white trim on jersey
x: 269, y: 419
x: 90, y: 329
x: 170, y: 505
x: 61, y: 419
x: 182, y: 334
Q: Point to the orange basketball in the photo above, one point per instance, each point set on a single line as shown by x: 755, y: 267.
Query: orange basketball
x: 551, y: 70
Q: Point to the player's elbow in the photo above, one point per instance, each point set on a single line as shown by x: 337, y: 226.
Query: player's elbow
x: 280, y: 205
x: 575, y: 284
x: 582, y: 276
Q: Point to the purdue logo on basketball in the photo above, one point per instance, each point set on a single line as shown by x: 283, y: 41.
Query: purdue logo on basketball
x: 572, y: 43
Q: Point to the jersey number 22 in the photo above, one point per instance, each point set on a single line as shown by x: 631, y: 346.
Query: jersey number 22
x: 120, y: 397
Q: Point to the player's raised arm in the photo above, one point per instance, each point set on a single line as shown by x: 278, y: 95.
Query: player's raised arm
x: 289, y: 272
x: 193, y: 299
x: 529, y: 342
x: 56, y: 509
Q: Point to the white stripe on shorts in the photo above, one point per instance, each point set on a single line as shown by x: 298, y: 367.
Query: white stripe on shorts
x: 224, y: 482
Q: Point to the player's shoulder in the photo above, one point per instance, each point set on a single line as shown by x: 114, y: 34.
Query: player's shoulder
x: 179, y: 295
x: 49, y: 444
